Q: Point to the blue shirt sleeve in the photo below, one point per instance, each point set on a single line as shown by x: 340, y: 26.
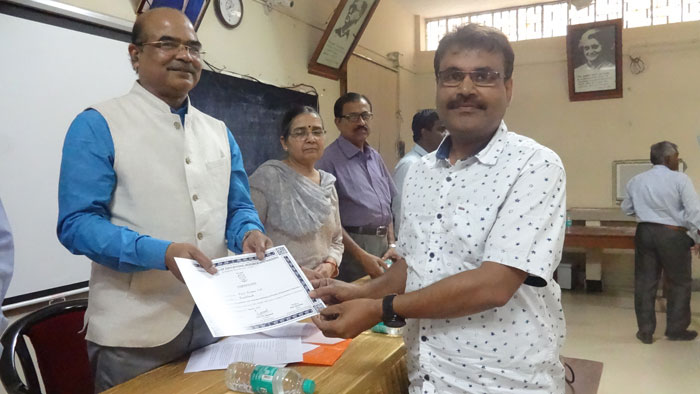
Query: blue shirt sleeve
x: 86, y: 183
x: 242, y: 216
x: 7, y: 262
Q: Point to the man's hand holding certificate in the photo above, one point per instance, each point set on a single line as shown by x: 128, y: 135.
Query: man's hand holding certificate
x: 248, y: 295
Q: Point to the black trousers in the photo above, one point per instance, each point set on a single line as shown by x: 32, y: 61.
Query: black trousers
x: 658, y: 247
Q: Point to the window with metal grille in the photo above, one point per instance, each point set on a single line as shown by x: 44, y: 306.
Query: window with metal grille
x: 549, y: 19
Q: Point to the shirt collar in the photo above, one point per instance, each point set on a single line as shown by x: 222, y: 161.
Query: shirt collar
x: 157, y: 102
x: 182, y: 111
x: 349, y: 149
x: 489, y: 155
x: 420, y: 150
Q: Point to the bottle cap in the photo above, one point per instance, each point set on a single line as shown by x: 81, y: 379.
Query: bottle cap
x: 309, y: 386
x: 380, y: 328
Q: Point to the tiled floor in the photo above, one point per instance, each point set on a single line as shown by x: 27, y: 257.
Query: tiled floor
x: 602, y: 326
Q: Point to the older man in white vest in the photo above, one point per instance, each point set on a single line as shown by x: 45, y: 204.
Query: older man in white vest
x: 145, y: 178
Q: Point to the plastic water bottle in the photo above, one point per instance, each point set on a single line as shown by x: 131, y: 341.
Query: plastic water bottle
x: 262, y: 379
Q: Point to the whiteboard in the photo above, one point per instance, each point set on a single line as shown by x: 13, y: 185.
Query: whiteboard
x: 49, y: 75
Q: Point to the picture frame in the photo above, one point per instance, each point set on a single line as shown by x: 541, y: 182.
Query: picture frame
x: 594, y: 60
x: 340, y: 38
x: 194, y: 9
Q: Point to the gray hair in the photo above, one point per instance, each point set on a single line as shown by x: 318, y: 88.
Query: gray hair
x: 661, y: 150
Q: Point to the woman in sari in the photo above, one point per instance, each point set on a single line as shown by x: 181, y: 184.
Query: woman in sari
x: 297, y: 203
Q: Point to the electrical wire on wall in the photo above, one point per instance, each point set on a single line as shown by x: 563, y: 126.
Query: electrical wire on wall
x: 299, y: 87
x: 223, y: 70
x: 308, y: 89
x: 637, y: 65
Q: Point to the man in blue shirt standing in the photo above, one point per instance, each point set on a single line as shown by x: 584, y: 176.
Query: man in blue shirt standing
x: 666, y: 206
x: 145, y: 178
x: 7, y: 253
x: 428, y: 133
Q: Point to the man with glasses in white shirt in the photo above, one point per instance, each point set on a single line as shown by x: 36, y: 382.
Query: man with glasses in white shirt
x: 666, y: 206
x: 482, y: 231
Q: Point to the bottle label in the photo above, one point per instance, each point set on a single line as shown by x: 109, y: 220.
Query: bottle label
x: 261, y: 379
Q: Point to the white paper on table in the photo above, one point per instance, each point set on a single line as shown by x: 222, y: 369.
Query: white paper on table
x: 308, y: 332
x: 292, y: 330
x: 318, y: 337
x: 307, y: 347
x: 271, y: 351
x: 248, y: 295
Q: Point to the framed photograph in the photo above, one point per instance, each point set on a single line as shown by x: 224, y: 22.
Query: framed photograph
x: 194, y: 9
x: 594, y: 57
x: 341, y: 36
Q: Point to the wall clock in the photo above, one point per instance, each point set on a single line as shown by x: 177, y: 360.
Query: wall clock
x: 230, y: 12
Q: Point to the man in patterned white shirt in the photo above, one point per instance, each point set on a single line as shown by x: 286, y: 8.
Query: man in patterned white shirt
x: 482, y: 232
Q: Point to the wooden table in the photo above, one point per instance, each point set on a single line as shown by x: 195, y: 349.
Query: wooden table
x: 594, y: 239
x: 600, y: 237
x: 373, y: 363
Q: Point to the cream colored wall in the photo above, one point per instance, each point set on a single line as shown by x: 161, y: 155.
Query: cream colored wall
x: 660, y: 103
x: 270, y: 46
x: 275, y: 46
x: 393, y: 29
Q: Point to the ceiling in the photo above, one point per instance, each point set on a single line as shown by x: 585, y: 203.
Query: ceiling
x: 435, y: 8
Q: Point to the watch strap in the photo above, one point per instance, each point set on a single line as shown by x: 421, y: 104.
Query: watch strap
x: 389, y: 316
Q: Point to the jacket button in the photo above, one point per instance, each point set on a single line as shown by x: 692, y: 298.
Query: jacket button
x: 200, y: 235
x: 195, y: 197
x: 187, y: 160
x: 177, y: 125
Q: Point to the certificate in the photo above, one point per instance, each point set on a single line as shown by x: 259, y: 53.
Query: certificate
x: 248, y: 295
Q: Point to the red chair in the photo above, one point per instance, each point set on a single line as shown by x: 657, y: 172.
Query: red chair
x: 60, y: 348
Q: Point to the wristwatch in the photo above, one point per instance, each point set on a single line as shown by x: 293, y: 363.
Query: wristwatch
x: 389, y: 317
x: 393, y: 245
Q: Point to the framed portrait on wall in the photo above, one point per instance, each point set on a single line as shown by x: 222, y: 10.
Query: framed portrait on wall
x: 594, y: 59
x: 194, y: 9
x: 341, y: 36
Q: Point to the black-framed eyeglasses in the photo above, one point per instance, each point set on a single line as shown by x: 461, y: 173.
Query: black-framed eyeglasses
x: 453, y: 77
x: 303, y: 133
x: 171, y: 47
x: 354, y: 117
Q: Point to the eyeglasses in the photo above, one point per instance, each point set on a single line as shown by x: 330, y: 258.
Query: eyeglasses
x: 302, y: 133
x: 172, y: 47
x: 454, y: 77
x: 354, y: 117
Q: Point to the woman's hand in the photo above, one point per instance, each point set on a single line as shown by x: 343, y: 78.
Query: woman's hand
x: 328, y: 268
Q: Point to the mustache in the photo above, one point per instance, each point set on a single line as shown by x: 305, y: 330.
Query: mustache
x: 462, y: 100
x: 361, y: 128
x: 186, y: 67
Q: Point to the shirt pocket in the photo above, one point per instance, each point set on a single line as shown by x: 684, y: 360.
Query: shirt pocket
x: 218, y: 175
x: 216, y: 164
x: 468, y: 231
